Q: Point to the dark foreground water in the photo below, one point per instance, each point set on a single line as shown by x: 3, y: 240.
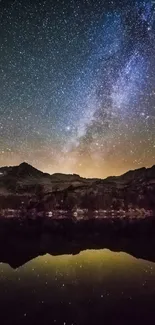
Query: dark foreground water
x: 92, y: 287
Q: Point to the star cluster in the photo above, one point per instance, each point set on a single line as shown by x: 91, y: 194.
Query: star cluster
x: 77, y: 85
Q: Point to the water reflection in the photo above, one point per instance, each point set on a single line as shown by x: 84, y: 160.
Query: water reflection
x: 92, y: 287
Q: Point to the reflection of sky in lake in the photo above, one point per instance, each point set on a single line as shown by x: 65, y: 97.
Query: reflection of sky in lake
x: 70, y: 288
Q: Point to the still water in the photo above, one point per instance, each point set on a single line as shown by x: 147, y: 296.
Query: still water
x: 93, y: 287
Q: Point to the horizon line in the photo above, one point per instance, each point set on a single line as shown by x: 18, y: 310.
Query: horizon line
x: 129, y: 170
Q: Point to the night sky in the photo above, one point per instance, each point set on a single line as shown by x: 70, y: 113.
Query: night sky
x: 77, y: 85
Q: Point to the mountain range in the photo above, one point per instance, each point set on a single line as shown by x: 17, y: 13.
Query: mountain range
x: 24, y: 183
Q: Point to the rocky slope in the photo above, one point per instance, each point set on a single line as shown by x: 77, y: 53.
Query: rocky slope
x: 25, y: 179
x: 24, y: 183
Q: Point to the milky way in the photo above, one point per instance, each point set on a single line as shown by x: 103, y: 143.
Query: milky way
x: 77, y: 85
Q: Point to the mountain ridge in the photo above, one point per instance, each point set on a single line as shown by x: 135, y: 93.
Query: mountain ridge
x: 26, y: 166
x: 24, y: 183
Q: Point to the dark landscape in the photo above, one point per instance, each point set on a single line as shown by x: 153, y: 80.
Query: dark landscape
x: 29, y: 190
x: 105, y: 225
x: 61, y: 230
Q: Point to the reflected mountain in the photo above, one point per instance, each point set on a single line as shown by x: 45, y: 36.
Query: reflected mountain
x: 16, y: 250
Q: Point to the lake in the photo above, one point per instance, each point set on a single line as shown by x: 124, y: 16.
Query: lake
x: 92, y: 287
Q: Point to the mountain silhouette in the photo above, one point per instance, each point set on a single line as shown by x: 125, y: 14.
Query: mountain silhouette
x: 135, y: 188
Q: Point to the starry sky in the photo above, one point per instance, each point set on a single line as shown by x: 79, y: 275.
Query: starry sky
x: 77, y: 85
